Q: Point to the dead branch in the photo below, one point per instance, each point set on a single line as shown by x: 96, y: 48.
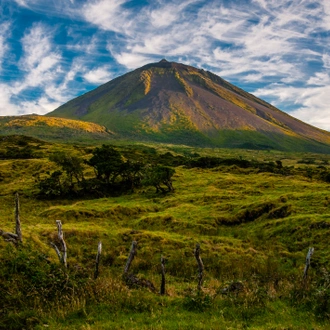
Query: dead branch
x: 58, y: 252
x: 200, y: 266
x: 134, y: 281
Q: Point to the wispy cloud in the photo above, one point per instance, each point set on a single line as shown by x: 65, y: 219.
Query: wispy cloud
x: 108, y: 15
x: 4, y: 31
x: 99, y: 75
x: 311, y: 102
x: 281, y: 48
x: 40, y: 60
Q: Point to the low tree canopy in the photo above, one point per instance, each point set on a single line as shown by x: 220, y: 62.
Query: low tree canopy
x: 107, y: 163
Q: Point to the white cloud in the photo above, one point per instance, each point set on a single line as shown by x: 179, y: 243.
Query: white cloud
x: 326, y: 61
x: 4, y: 33
x: 6, y: 107
x: 41, y: 65
x: 131, y: 60
x: 167, y: 14
x: 21, y: 3
x: 99, y: 75
x: 320, y: 78
x: 40, y: 61
x: 40, y: 106
x: 313, y: 102
x: 108, y: 15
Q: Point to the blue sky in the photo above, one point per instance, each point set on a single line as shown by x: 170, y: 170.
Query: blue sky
x: 54, y: 50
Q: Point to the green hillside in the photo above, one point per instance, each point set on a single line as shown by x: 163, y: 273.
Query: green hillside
x: 54, y: 129
x: 254, y: 214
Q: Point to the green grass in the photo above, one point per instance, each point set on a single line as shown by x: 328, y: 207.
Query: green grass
x: 253, y: 227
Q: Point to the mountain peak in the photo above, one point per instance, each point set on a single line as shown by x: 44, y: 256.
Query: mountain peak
x: 177, y: 103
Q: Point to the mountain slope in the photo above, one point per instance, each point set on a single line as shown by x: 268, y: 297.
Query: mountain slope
x: 49, y: 128
x: 172, y: 102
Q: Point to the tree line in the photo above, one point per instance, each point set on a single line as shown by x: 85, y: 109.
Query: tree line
x: 112, y: 175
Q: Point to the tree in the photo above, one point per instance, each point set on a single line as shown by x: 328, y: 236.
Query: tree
x: 51, y: 186
x: 157, y: 175
x: 71, y: 165
x: 132, y: 173
x: 107, y: 163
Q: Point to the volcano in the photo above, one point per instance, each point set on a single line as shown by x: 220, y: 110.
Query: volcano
x: 175, y: 103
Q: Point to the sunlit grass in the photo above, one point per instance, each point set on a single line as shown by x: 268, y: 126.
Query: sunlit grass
x: 253, y: 227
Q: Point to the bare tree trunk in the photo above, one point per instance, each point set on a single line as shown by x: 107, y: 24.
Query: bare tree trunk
x: 131, y: 256
x: 308, y: 261
x: 17, y: 219
x: 162, y: 285
x: 200, y: 266
x: 97, y: 261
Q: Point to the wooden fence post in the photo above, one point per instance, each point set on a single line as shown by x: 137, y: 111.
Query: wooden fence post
x: 200, y: 266
x: 131, y: 256
x: 62, y: 257
x: 162, y: 285
x: 97, y: 261
x: 131, y: 279
x: 308, y: 261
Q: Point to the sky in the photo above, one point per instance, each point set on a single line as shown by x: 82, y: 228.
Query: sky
x: 52, y: 51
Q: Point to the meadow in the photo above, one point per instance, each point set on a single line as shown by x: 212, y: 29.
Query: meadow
x: 254, y: 228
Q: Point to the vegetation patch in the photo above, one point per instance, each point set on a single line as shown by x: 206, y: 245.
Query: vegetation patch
x: 254, y: 215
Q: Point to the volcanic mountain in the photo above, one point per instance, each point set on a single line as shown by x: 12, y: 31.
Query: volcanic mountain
x: 175, y: 103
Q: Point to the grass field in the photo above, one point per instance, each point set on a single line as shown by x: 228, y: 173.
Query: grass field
x: 254, y: 228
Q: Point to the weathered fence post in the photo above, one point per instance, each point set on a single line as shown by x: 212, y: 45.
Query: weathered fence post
x: 62, y: 257
x: 162, y: 285
x: 17, y: 237
x: 131, y: 279
x: 308, y: 261
x: 97, y: 261
x: 200, y: 266
x: 131, y: 256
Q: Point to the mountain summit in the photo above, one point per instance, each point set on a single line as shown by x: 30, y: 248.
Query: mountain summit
x: 176, y: 103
